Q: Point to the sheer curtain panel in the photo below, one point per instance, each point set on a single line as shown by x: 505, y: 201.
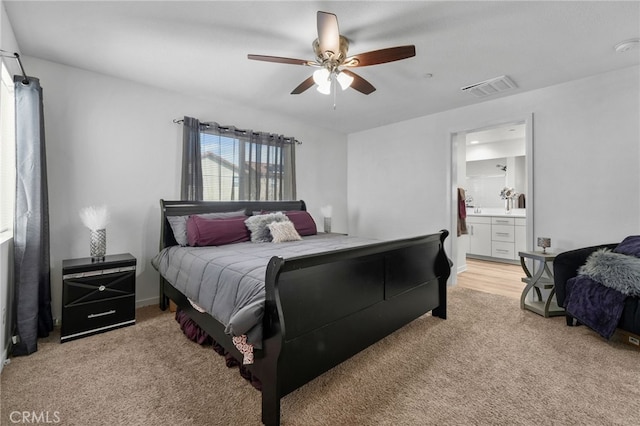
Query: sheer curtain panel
x: 32, y: 313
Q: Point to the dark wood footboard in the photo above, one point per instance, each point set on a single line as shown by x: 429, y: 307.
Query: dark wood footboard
x: 322, y: 309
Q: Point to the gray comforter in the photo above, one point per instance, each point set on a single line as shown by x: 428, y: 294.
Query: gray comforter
x: 228, y: 281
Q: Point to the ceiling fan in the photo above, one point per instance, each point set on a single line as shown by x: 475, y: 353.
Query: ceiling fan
x: 331, y: 49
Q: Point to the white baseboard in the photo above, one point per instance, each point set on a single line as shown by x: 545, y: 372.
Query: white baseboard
x: 5, y: 353
x: 146, y: 302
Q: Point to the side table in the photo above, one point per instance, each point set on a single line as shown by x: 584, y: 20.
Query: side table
x: 542, y: 278
x: 97, y: 296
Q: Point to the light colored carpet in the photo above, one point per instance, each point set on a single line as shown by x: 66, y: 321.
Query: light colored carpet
x: 488, y: 364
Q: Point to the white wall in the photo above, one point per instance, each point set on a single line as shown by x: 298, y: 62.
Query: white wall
x: 113, y: 142
x: 459, y: 151
x: 586, y: 147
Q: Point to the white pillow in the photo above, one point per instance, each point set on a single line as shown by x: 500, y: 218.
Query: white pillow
x: 283, y: 231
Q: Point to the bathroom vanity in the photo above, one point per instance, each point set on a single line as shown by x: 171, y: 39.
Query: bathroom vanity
x: 496, y: 235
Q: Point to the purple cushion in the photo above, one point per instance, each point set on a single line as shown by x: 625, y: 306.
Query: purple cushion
x: 216, y: 232
x: 179, y: 223
x: 629, y: 246
x: 302, y: 221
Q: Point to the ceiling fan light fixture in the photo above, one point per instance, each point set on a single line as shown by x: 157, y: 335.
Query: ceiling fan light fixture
x: 321, y: 76
x: 331, y: 49
x: 344, y: 79
x: 325, y: 88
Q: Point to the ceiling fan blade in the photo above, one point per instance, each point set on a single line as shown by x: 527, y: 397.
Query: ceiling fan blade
x: 303, y: 86
x: 359, y: 83
x: 381, y: 56
x: 328, y: 34
x: 278, y: 59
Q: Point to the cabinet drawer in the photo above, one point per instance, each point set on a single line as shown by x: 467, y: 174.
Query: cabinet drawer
x: 93, y: 317
x: 83, y: 289
x: 502, y: 233
x: 479, y: 219
x: 502, y: 220
x: 502, y: 250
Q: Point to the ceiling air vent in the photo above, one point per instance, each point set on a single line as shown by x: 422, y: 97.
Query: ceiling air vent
x: 490, y: 87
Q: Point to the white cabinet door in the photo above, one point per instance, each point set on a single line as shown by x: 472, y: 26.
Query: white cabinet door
x: 480, y: 239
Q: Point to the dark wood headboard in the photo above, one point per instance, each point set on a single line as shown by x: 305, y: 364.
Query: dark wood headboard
x: 185, y: 208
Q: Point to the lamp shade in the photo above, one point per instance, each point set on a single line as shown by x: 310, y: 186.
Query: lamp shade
x: 321, y: 76
x: 545, y: 243
x: 345, y: 80
x: 325, y: 88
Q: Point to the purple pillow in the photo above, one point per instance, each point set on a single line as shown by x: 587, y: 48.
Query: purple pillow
x: 179, y: 223
x: 302, y: 221
x: 216, y: 232
x: 629, y: 246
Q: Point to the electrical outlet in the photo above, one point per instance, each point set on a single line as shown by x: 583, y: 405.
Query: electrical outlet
x: 56, y: 322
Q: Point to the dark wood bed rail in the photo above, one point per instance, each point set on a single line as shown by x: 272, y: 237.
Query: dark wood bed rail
x: 322, y: 309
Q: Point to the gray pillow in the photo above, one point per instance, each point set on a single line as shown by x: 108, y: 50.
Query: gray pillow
x: 259, y: 226
x: 179, y: 223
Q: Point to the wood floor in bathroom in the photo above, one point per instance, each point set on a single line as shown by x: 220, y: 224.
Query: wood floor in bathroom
x: 493, y: 277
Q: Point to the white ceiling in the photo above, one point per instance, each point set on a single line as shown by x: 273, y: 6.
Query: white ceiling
x: 200, y: 48
x: 515, y: 131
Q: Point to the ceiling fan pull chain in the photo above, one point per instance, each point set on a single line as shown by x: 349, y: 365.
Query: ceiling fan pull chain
x: 335, y: 91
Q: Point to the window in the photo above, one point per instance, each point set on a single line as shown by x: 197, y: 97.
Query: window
x: 7, y: 154
x: 241, y: 165
x: 220, y: 167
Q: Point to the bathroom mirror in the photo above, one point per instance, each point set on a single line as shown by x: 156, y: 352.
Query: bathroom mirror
x: 495, y: 159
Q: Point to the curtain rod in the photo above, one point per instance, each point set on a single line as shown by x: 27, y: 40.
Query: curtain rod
x: 15, y: 55
x: 207, y: 125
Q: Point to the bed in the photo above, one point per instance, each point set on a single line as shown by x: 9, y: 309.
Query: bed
x: 320, y: 308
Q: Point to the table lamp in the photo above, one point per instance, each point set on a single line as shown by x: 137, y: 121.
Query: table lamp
x: 544, y: 243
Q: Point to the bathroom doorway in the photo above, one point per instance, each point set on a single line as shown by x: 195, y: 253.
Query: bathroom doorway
x: 493, y: 166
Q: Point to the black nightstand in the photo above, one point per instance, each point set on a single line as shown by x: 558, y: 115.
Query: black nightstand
x: 97, y: 296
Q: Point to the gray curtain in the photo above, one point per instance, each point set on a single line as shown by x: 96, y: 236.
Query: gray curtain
x: 270, y: 166
x: 191, y: 182
x: 32, y: 313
